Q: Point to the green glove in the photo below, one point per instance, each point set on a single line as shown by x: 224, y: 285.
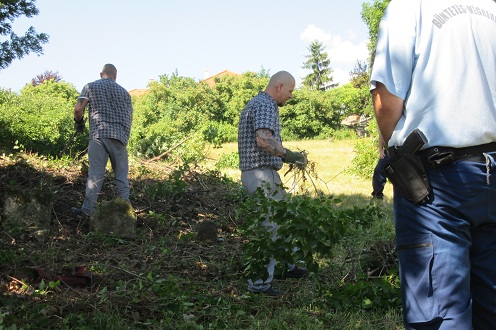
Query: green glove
x: 79, y: 125
x: 297, y: 158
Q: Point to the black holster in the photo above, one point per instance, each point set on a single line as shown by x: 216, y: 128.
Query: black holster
x: 407, y: 174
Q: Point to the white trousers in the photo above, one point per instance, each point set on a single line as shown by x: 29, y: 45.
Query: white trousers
x: 269, y: 180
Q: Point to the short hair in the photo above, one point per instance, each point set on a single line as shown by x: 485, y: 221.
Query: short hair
x: 109, y: 69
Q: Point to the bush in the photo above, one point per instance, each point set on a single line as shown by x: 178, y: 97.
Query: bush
x: 366, y: 158
x: 367, y: 153
x: 313, y: 225
x: 169, y: 118
x: 175, y: 109
x: 40, y: 118
x: 219, y: 133
x: 230, y: 160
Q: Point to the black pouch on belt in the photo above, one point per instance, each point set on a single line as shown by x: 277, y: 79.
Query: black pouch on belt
x: 407, y: 174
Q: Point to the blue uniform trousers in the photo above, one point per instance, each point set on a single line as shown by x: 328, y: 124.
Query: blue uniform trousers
x: 447, y: 250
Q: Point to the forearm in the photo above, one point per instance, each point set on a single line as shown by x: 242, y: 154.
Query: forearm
x: 267, y: 142
x: 388, y: 109
x: 79, y: 108
x: 386, y: 124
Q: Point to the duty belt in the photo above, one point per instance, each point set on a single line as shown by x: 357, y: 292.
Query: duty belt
x: 438, y: 156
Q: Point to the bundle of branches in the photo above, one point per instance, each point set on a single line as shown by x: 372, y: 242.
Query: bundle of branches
x: 304, y: 178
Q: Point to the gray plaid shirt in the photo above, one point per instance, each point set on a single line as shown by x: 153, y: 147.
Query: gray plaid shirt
x: 110, y: 110
x: 260, y: 112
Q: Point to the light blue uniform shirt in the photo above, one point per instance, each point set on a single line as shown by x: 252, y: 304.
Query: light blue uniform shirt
x: 445, y: 73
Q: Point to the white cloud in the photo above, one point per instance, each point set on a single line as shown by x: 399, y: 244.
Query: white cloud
x: 312, y: 33
x: 340, y: 76
x: 343, y: 53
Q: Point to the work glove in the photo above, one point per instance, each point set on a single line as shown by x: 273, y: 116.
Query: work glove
x: 79, y: 125
x: 294, y: 157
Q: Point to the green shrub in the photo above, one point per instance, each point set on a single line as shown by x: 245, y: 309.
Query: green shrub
x: 169, y: 119
x: 367, y: 153
x: 230, y: 160
x: 343, y: 134
x: 219, y: 133
x: 40, y: 118
x: 313, y: 225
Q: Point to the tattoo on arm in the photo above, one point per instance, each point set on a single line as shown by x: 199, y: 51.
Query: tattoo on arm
x: 267, y: 142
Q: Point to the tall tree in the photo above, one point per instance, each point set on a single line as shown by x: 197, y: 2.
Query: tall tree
x: 318, y: 61
x: 18, y: 46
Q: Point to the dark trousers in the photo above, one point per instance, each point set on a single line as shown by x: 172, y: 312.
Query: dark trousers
x: 379, y: 176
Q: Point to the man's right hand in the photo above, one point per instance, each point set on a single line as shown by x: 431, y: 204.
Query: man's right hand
x: 295, y: 157
x: 79, y: 125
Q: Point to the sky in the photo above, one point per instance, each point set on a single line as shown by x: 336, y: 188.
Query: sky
x: 195, y: 38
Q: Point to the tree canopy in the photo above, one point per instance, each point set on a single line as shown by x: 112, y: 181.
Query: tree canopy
x: 18, y: 46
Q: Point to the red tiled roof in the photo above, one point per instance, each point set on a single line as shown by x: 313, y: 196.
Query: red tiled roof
x: 210, y: 81
x: 138, y: 92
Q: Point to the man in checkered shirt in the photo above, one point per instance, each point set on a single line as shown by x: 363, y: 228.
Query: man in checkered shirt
x: 261, y: 155
x: 110, y: 111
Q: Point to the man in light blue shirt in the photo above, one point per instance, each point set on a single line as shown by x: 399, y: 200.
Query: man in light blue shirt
x: 435, y: 70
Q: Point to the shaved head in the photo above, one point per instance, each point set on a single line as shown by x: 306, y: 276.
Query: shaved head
x: 280, y: 87
x: 281, y: 77
x: 109, y: 70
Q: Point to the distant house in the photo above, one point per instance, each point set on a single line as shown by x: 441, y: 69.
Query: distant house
x: 210, y: 81
x: 358, y: 122
x: 138, y: 92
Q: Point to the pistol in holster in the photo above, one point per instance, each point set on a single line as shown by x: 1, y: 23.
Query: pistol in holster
x: 406, y: 170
